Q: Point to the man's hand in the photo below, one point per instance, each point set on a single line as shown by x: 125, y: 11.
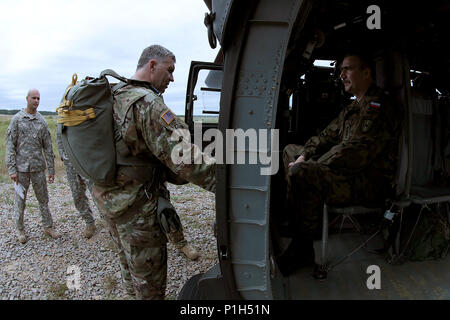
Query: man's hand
x: 51, y: 178
x: 299, y: 159
x: 14, y: 177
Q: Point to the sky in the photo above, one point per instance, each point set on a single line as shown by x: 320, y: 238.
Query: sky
x: 43, y: 42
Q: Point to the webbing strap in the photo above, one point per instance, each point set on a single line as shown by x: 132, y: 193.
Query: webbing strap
x: 135, y: 82
x: 65, y: 102
x: 71, y: 118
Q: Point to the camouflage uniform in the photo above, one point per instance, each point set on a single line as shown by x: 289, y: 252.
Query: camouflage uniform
x: 77, y: 185
x: 352, y: 161
x: 27, y: 135
x: 146, y: 125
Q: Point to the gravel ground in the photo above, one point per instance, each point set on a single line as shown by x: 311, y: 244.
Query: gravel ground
x: 39, y: 268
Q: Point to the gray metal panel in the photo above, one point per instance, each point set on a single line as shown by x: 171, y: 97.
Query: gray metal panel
x: 254, y: 106
x: 222, y: 9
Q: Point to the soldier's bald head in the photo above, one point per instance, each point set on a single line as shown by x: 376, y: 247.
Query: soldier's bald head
x: 33, y: 91
x: 33, y: 99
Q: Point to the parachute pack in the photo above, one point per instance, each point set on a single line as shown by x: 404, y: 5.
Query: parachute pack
x: 90, y: 137
x: 85, y: 123
x: 86, y: 126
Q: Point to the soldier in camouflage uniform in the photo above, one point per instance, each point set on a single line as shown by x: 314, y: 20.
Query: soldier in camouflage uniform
x: 78, y: 186
x: 27, y: 136
x: 352, y: 161
x: 137, y: 208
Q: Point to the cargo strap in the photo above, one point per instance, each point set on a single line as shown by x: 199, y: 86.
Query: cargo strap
x: 71, y: 118
x: 68, y: 103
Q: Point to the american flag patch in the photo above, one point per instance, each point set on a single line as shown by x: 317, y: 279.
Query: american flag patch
x: 375, y: 105
x: 168, y: 117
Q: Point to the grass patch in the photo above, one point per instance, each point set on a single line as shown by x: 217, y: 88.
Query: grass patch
x: 8, y: 198
x: 58, y: 290
x: 109, y: 283
x: 32, y: 205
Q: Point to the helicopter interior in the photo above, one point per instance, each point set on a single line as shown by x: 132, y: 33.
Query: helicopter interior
x: 412, y: 65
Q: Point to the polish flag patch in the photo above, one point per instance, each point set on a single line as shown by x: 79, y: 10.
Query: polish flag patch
x: 375, y: 105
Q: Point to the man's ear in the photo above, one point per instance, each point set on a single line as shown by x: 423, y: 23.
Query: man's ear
x: 152, y: 64
x: 367, y: 73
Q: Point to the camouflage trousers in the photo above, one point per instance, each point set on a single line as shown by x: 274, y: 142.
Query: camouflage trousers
x: 78, y: 186
x: 38, y: 179
x: 311, y: 184
x: 142, y: 291
x: 142, y: 251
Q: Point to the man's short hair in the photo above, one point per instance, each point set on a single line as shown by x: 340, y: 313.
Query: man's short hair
x: 156, y: 52
x: 365, y: 61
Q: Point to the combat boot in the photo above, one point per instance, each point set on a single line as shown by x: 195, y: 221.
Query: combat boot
x: 189, y: 252
x: 21, y: 235
x: 89, y: 231
x: 52, y: 233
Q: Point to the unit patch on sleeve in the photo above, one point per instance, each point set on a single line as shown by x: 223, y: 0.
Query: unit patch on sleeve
x: 168, y: 117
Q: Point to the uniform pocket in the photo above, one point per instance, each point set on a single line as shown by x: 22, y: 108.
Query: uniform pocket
x: 144, y: 231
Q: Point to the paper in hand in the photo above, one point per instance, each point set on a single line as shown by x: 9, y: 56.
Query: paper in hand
x: 19, y: 189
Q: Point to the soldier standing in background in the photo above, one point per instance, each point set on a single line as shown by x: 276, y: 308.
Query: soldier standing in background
x: 352, y: 161
x: 138, y: 207
x: 27, y: 136
x: 78, y: 186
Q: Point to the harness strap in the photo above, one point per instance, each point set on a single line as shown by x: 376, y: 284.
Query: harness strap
x: 71, y: 118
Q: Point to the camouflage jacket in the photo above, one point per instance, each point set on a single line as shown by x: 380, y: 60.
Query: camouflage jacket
x: 365, y: 135
x: 146, y: 125
x: 27, y: 136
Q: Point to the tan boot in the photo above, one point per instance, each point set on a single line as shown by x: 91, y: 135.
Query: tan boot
x: 21, y: 235
x: 89, y: 231
x: 189, y: 252
x: 52, y: 233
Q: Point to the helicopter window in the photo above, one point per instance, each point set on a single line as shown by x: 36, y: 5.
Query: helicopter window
x: 207, y: 92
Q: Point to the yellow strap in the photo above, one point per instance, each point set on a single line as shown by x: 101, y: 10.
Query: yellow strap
x: 71, y: 118
x: 67, y: 103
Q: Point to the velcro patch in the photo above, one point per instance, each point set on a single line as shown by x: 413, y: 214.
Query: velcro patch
x: 375, y: 105
x: 168, y: 117
x: 366, y: 125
